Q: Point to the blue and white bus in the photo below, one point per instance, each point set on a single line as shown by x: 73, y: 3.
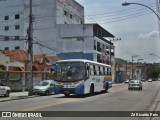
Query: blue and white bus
x: 79, y: 76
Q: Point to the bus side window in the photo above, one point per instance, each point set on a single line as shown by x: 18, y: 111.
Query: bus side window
x: 109, y: 71
x: 97, y: 70
x: 91, y: 70
x: 101, y: 70
x: 94, y: 68
x: 106, y: 71
x: 87, y: 69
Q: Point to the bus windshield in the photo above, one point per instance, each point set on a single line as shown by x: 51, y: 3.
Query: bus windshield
x: 69, y: 71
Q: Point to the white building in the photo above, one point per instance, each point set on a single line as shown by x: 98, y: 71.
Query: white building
x: 46, y: 13
x: 85, y: 41
x: 58, y: 28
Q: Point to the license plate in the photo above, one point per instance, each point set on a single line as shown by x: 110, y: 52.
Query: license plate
x: 67, y: 92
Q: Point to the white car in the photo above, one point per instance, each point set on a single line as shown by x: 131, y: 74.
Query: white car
x: 149, y: 80
x: 4, y: 90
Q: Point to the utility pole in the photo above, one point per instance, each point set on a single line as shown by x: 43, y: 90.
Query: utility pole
x: 110, y: 54
x: 30, y: 50
x: 132, y: 64
x: 126, y: 69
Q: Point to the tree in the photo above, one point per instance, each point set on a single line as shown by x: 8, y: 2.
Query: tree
x: 153, y: 71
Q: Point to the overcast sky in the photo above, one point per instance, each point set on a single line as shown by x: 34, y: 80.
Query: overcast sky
x: 136, y: 25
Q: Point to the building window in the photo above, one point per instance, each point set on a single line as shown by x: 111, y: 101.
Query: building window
x: 81, y: 22
x: 17, y: 27
x: 71, y: 16
x: 6, y: 38
x: 6, y: 48
x: 65, y: 13
x: 6, y: 17
x: 95, y: 45
x: 6, y: 28
x: 17, y: 48
x: 16, y: 37
x: 17, y: 16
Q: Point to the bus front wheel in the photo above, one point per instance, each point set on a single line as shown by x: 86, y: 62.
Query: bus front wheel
x: 91, y: 90
x: 66, y: 95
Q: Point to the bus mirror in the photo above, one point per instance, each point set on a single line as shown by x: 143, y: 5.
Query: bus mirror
x: 52, y: 70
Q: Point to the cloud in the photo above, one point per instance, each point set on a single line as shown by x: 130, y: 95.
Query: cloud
x: 150, y: 35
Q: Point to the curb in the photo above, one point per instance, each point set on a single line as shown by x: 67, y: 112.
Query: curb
x: 19, y: 98
x: 153, y: 106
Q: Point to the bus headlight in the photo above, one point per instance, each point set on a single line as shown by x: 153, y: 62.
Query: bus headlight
x: 80, y: 85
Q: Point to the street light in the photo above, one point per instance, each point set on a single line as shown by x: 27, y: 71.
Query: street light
x: 155, y: 55
x: 125, y: 4
x: 132, y: 64
x: 139, y: 60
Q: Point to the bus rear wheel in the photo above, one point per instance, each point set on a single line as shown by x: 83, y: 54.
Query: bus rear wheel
x: 106, y: 88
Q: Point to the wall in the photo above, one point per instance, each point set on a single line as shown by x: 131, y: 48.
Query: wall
x: 4, y: 59
x: 76, y: 55
x: 75, y: 38
x: 19, y: 81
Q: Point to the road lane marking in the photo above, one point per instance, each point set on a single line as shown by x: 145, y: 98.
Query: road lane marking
x: 48, y: 105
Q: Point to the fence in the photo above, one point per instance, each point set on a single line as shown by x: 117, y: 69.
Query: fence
x: 19, y: 81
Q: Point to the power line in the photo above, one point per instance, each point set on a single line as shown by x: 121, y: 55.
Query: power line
x: 38, y: 5
x: 121, y: 14
x: 13, y: 14
x: 121, y: 11
x: 54, y: 49
x: 118, y: 20
x: 15, y: 23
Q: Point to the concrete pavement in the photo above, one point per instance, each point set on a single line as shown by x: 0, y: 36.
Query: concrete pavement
x: 24, y: 95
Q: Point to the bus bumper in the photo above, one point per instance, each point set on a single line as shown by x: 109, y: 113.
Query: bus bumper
x: 77, y: 90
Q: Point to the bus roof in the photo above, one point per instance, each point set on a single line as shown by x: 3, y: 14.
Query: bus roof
x: 83, y: 60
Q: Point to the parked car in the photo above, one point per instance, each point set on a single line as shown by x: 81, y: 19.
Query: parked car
x: 126, y: 81
x: 4, y: 90
x: 150, y: 80
x: 45, y: 87
x: 143, y: 80
x: 135, y: 84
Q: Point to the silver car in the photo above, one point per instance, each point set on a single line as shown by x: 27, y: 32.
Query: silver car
x: 4, y: 90
x: 45, y: 87
x: 135, y: 84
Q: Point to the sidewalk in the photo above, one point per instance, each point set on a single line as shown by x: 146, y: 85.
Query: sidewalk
x: 16, y: 96
x: 157, y: 106
x: 24, y: 95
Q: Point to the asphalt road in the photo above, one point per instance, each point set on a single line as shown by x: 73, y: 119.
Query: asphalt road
x: 118, y: 99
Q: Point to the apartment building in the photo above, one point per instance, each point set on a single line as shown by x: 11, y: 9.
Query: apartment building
x: 46, y: 15
x: 59, y: 29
